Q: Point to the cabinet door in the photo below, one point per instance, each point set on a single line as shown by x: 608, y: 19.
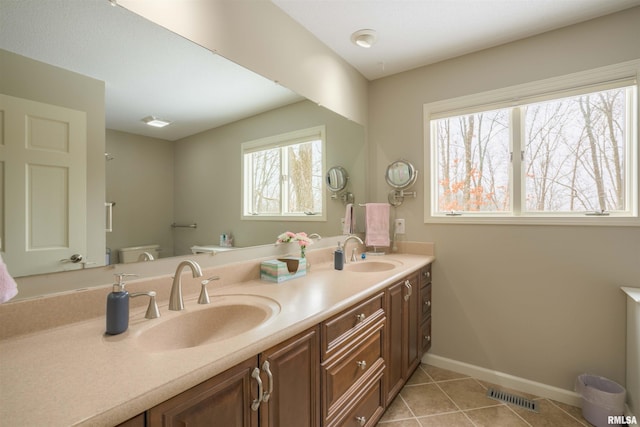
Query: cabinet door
x: 224, y: 401
x: 403, y: 342
x: 412, y: 319
x: 395, y: 350
x: 291, y: 377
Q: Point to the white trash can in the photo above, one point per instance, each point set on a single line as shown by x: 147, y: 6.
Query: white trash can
x: 601, y: 399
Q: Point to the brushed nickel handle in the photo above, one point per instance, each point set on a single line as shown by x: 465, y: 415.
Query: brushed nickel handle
x: 427, y: 338
x: 362, y: 364
x: 266, y: 367
x: 427, y: 303
x: 407, y: 284
x: 361, y: 420
x: 360, y: 317
x: 256, y: 402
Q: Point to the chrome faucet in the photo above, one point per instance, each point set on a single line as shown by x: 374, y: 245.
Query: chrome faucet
x: 344, y: 247
x: 176, y: 302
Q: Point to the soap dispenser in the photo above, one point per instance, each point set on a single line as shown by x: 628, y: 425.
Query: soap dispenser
x: 338, y: 258
x: 118, y: 307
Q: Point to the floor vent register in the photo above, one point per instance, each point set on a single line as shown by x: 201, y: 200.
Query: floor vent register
x: 512, y: 399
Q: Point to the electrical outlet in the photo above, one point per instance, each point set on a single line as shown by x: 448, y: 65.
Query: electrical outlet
x: 400, y: 226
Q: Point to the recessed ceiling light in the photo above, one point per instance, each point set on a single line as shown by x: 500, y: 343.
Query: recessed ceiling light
x: 364, y: 38
x: 155, y: 122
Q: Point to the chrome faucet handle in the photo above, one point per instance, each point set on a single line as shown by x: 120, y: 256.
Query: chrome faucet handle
x: 152, y: 309
x: 204, y: 296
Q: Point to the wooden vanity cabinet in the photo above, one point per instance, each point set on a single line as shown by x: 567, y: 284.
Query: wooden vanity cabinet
x: 404, y: 345
x: 223, y: 400
x: 353, y: 365
x: 289, y: 373
x: 295, y: 369
x: 425, y: 296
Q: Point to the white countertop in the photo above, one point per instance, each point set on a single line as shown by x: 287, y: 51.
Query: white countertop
x: 75, y: 375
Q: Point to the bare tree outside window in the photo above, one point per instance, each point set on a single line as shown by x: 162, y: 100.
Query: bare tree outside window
x: 575, y: 153
x: 285, y: 177
x: 473, y: 162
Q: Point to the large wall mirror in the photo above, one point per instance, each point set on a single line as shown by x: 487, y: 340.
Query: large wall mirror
x: 119, y: 68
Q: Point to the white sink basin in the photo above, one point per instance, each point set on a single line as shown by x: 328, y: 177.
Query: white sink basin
x: 370, y: 266
x: 226, y: 317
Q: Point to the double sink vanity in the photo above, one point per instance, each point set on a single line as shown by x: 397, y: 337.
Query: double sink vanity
x: 332, y: 348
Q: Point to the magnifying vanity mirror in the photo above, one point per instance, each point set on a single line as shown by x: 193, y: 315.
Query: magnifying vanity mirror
x: 400, y: 175
x: 337, y: 180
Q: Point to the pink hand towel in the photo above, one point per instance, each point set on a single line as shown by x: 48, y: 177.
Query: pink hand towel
x: 8, y: 287
x: 377, y: 224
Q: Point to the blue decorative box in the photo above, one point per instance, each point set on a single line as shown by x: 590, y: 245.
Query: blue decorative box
x: 283, y: 269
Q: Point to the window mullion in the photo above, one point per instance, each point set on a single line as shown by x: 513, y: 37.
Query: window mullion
x: 284, y: 180
x: 518, y: 192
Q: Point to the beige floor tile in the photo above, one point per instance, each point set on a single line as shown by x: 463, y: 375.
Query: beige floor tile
x: 397, y: 410
x: 439, y: 374
x: 401, y: 423
x: 419, y: 377
x: 495, y: 416
x: 548, y: 415
x: 574, y: 411
x: 427, y: 399
x: 467, y: 393
x: 456, y: 419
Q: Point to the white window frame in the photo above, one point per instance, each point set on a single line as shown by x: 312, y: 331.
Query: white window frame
x: 583, y: 82
x: 279, y: 141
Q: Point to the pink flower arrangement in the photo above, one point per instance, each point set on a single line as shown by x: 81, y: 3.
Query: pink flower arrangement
x: 288, y: 237
x: 301, y: 238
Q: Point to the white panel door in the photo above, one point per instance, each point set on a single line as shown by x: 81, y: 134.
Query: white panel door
x: 43, y: 157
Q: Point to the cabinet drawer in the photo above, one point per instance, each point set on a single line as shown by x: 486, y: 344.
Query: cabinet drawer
x: 425, y: 275
x: 425, y: 295
x: 341, y: 327
x: 425, y: 335
x: 368, y: 408
x: 341, y: 374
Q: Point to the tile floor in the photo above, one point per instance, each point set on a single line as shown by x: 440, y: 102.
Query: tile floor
x: 435, y: 397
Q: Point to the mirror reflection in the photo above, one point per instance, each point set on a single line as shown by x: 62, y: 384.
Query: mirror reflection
x: 337, y: 178
x: 188, y: 172
x: 401, y: 175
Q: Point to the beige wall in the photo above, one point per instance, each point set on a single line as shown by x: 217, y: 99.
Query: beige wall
x: 538, y: 302
x: 261, y: 37
x: 25, y: 78
x: 208, y: 175
x: 140, y: 182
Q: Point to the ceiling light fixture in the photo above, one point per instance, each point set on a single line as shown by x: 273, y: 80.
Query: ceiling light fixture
x: 364, y: 38
x: 155, y: 122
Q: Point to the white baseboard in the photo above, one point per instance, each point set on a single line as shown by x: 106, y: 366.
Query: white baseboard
x: 500, y: 378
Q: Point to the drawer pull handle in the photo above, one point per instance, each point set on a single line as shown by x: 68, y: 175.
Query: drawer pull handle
x: 360, y: 317
x: 427, y: 338
x: 427, y: 303
x: 362, y: 364
x: 361, y: 420
x: 266, y: 367
x: 407, y: 284
x: 427, y: 274
x: 256, y: 402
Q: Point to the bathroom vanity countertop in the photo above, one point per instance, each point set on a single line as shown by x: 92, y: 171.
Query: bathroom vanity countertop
x: 75, y: 375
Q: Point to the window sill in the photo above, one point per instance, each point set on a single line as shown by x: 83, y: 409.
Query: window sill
x: 611, y: 221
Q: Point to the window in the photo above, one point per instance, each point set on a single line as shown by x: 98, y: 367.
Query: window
x: 564, y: 156
x: 282, y: 176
